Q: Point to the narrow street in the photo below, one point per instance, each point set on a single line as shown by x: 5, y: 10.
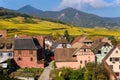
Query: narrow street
x: 46, y: 73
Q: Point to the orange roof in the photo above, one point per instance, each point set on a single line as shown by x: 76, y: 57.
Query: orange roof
x: 77, y: 39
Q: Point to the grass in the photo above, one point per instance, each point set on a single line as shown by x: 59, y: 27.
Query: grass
x: 32, y: 72
x: 41, y: 27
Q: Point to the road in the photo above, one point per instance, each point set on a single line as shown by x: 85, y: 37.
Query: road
x: 46, y: 73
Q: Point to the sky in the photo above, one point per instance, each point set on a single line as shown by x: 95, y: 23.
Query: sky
x: 103, y: 8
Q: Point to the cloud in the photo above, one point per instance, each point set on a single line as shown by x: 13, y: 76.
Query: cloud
x: 82, y: 4
x: 117, y: 2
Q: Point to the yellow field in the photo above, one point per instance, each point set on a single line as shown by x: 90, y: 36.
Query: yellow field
x: 17, y: 26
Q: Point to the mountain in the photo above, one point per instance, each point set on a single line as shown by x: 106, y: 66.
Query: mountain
x: 73, y: 16
x: 28, y: 9
x: 7, y: 13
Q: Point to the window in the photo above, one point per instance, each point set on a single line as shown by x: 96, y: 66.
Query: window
x: 19, y: 59
x: 31, y: 59
x: 110, y: 59
x: 111, y: 66
x: 119, y: 66
x: 117, y: 74
x: 80, y: 62
x: 105, y: 52
x: 8, y: 45
x: 99, y: 51
x: 116, y: 51
x: 10, y: 54
x: 116, y: 59
x: 85, y: 62
x: 1, y: 54
x: 1, y: 45
x: 105, y: 46
x: 84, y: 50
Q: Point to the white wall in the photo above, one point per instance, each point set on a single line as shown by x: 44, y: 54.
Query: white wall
x: 115, y: 64
x: 5, y: 56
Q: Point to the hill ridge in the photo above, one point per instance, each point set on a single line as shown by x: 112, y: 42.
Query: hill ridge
x: 81, y: 19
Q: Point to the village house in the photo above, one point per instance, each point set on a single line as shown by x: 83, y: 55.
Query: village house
x: 64, y: 58
x: 89, y: 41
x: 73, y: 57
x: 84, y: 55
x: 112, y: 63
x: 101, y: 49
x: 6, y: 50
x: 51, y: 44
x: 28, y: 53
x: 63, y: 43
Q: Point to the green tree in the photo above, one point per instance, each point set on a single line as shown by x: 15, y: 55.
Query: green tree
x: 113, y: 40
x: 66, y: 35
x: 4, y: 75
x: 96, y: 72
x: 77, y: 74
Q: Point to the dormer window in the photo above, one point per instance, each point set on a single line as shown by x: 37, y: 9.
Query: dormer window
x: 64, y: 45
x: 1, y: 45
x: 9, y: 45
x: 105, y: 46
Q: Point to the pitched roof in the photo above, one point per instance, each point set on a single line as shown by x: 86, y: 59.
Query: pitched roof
x: 88, y: 40
x: 26, y: 44
x: 82, y: 47
x: 77, y: 45
x: 64, y: 55
x: 98, y: 45
x: 85, y: 47
x: 77, y: 39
